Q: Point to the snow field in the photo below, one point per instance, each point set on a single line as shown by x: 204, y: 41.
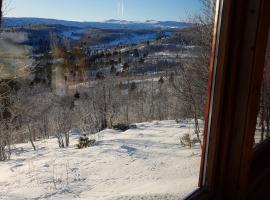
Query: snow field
x: 143, y: 163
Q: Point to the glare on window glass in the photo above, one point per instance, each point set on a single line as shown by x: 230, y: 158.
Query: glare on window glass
x: 103, y: 99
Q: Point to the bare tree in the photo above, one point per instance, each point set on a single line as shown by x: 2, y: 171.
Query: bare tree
x: 61, y: 119
x: 5, y: 8
x: 189, y: 81
x: 85, y: 116
x: 30, y: 106
x: 186, y: 91
x: 6, y: 130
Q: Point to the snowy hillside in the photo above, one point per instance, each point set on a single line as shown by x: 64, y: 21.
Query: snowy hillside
x: 110, y: 24
x: 147, y: 162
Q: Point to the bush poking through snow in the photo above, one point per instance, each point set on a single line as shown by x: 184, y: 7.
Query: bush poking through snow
x: 124, y: 127
x: 195, y: 141
x: 121, y: 127
x: 187, y: 141
x: 85, y: 142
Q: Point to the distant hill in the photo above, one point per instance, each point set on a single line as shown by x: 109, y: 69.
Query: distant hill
x: 110, y: 24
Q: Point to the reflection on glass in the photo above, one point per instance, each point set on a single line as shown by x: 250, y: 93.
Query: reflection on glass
x: 263, y: 119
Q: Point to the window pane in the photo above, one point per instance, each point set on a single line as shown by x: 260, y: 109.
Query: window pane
x: 109, y: 108
x: 262, y: 127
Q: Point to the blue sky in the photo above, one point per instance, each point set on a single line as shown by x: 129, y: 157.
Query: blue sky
x: 100, y: 10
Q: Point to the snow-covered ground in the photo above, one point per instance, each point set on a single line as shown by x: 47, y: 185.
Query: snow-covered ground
x: 74, y: 34
x: 128, y: 38
x: 143, y: 163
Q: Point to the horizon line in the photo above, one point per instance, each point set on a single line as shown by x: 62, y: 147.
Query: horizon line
x: 84, y: 21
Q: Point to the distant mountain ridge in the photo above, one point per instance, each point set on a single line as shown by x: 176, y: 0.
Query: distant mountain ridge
x: 109, y: 24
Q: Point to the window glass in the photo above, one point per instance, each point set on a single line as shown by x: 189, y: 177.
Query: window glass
x: 263, y: 118
x: 103, y: 99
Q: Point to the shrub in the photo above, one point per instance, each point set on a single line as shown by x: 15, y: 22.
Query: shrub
x: 124, y: 127
x: 113, y: 69
x: 185, y: 140
x: 132, y: 126
x: 195, y: 140
x: 100, y: 76
x: 141, y: 61
x: 121, y: 127
x: 77, y: 95
x: 132, y: 87
x: 85, y: 142
x: 126, y: 66
x: 161, y: 81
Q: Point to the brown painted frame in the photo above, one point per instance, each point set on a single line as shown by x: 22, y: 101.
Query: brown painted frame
x: 260, y: 172
x: 236, y: 71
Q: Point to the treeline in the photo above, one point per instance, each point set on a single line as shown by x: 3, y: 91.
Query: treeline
x: 36, y: 113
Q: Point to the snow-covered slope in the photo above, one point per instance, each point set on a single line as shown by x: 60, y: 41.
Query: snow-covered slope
x: 110, y: 24
x: 143, y: 163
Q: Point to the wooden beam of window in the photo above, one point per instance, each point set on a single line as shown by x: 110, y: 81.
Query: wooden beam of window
x: 240, y: 63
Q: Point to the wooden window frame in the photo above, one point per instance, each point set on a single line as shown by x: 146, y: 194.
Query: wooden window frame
x: 236, y: 72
